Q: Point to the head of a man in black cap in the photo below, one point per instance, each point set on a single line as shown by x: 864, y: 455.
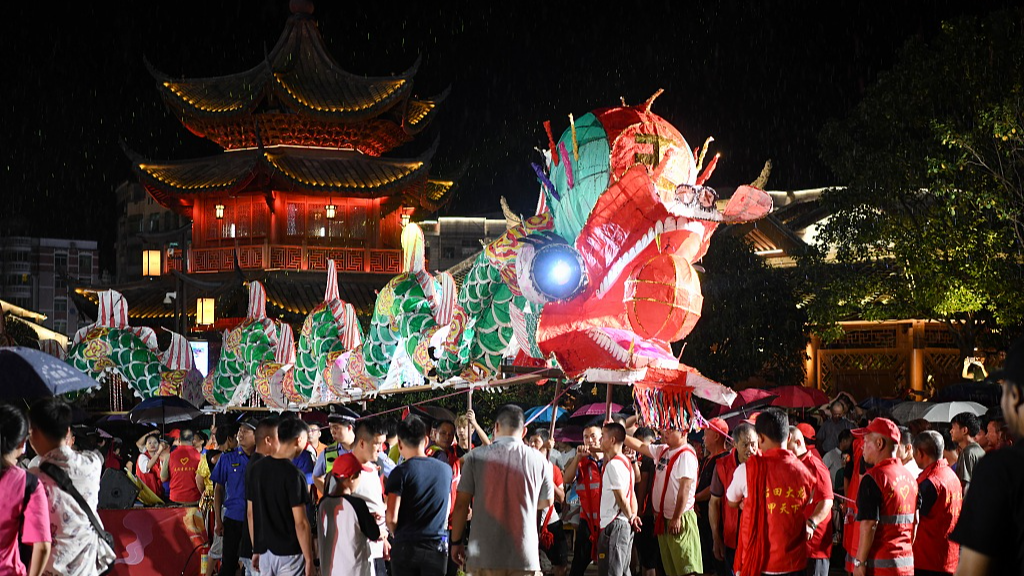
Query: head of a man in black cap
x: 342, y: 423
x: 1011, y: 378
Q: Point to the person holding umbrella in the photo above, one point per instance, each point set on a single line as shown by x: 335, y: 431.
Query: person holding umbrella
x: 25, y: 509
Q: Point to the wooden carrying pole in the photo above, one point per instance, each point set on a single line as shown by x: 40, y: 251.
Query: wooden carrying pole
x: 554, y: 408
x: 607, y: 402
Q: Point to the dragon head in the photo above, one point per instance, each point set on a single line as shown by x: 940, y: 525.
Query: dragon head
x: 607, y: 268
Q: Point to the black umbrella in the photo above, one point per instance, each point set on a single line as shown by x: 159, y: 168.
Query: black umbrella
x: 163, y: 410
x: 27, y: 374
x: 985, y: 392
x: 434, y: 413
x: 120, y: 426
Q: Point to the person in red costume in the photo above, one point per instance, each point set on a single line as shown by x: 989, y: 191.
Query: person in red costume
x: 776, y: 491
x: 940, y: 501
x: 819, y: 513
x: 586, y: 468
x: 886, y: 506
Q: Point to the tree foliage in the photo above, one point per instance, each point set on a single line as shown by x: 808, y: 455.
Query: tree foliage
x: 928, y: 224
x: 21, y: 332
x: 751, y: 325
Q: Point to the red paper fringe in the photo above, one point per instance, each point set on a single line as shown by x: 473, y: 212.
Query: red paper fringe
x: 551, y: 142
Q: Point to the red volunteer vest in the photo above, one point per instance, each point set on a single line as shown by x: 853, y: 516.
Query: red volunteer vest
x: 820, y: 545
x: 933, y: 550
x: 892, y: 551
x: 772, y: 533
x: 588, y: 488
x: 660, y: 514
x: 851, y: 535
x: 152, y: 478
x: 726, y: 467
x: 183, y: 462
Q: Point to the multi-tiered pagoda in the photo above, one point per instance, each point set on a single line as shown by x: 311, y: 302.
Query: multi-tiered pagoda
x: 304, y: 176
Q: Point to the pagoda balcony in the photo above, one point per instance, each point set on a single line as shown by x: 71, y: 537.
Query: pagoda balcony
x: 279, y: 257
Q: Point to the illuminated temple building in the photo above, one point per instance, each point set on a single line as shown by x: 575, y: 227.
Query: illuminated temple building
x: 305, y: 176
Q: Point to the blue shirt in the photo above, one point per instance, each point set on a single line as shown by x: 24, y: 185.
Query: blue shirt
x: 320, y: 468
x: 304, y: 462
x: 425, y: 485
x: 230, y: 473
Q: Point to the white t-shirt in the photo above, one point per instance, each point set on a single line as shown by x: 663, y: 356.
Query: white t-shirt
x: 343, y: 547
x: 616, y: 476
x: 738, y: 487
x: 913, y: 468
x: 370, y: 490
x: 685, y: 467
x: 146, y: 463
x: 554, y: 513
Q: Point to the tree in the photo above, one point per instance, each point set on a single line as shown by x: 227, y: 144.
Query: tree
x: 928, y: 224
x: 751, y: 324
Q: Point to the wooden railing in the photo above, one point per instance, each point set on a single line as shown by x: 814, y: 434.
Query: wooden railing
x: 269, y: 257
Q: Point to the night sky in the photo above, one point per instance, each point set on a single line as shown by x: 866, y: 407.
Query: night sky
x: 761, y: 77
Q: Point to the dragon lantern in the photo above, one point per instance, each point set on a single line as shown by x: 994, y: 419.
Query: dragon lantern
x: 602, y: 278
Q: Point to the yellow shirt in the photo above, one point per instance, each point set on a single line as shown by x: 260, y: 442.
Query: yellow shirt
x: 204, y: 472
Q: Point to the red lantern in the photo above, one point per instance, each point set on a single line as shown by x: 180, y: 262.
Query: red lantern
x: 663, y: 298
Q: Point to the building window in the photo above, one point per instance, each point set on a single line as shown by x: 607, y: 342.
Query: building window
x: 449, y: 252
x: 60, y: 262
x: 60, y: 326
x: 357, y: 222
x: 295, y: 224
x: 60, y: 306
x: 85, y: 265
x: 154, y: 222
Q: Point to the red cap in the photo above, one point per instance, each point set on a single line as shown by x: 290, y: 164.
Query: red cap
x: 806, y: 429
x: 346, y: 466
x: 882, y: 426
x: 718, y: 425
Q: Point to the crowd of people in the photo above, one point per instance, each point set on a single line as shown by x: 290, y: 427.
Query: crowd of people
x: 428, y: 496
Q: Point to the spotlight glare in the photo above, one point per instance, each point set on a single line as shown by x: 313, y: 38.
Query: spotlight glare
x: 561, y: 273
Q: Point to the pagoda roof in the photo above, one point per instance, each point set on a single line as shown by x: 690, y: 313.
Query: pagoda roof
x: 300, y: 75
x: 176, y: 184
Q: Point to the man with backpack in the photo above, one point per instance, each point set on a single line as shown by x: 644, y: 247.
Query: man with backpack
x: 71, y: 480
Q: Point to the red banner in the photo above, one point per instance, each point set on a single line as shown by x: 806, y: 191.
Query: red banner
x: 156, y: 540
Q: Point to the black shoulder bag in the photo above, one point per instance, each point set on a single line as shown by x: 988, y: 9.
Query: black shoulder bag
x: 64, y: 483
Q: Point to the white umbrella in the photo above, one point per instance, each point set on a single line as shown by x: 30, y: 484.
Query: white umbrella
x: 945, y: 411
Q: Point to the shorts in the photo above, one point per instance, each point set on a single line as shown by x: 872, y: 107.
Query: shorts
x: 216, y: 548
x: 680, y: 554
x: 558, y: 554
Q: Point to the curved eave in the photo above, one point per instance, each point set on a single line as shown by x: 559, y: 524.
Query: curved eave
x: 352, y: 175
x: 420, y: 113
x: 301, y: 74
x: 308, y: 78
x: 177, y: 184
x: 221, y: 96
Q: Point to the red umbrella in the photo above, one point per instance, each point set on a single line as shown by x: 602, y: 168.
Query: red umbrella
x: 798, y: 397
x: 749, y: 397
x: 596, y: 409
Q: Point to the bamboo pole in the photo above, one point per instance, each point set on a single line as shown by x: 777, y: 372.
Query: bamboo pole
x: 518, y: 379
x: 608, y: 402
x: 554, y: 408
